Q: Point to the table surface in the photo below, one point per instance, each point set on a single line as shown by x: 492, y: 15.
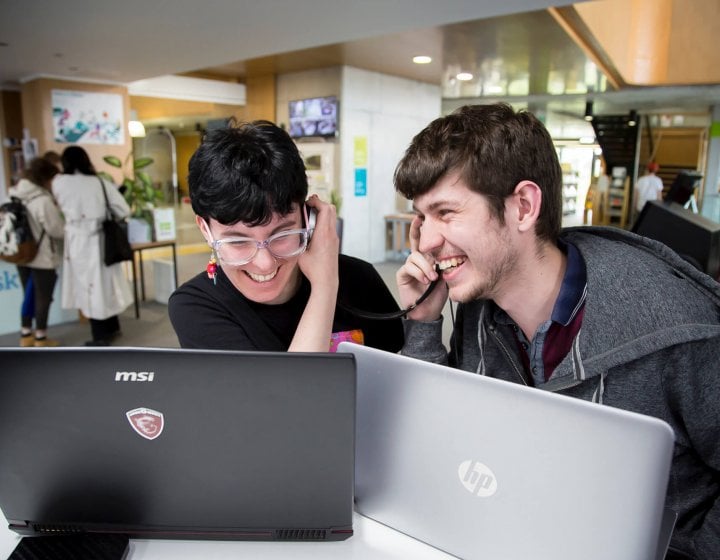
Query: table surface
x: 371, y: 541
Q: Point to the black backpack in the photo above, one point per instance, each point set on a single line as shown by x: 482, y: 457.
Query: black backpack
x: 17, y: 242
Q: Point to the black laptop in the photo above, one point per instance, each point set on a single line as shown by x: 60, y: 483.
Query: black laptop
x: 170, y: 443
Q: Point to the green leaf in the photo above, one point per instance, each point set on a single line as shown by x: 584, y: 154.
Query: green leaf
x: 105, y: 176
x: 113, y: 160
x: 142, y: 162
x: 144, y: 179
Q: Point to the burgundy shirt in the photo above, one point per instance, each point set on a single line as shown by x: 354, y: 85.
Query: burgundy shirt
x: 553, y: 339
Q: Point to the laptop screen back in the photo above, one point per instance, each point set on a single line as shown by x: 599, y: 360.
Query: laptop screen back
x: 483, y: 468
x: 177, y: 443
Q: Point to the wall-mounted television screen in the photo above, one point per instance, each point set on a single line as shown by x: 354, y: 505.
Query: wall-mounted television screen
x: 314, y: 117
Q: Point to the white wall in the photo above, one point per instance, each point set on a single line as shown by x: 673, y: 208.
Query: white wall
x: 388, y: 111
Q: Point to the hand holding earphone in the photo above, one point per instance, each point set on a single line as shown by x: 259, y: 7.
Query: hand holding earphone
x: 319, y: 263
x: 414, y: 278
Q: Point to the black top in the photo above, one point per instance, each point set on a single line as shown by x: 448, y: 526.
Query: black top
x: 218, y: 316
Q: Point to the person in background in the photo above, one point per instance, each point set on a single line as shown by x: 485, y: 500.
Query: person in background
x: 595, y: 313
x: 100, y: 292
x: 648, y: 187
x: 54, y: 158
x: 267, y: 285
x: 39, y: 276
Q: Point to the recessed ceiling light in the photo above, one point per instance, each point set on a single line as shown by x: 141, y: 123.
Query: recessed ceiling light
x: 464, y: 76
x: 422, y: 59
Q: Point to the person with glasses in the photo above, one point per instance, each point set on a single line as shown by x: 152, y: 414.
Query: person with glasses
x: 275, y: 280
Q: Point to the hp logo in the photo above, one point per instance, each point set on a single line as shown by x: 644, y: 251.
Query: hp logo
x: 477, y: 478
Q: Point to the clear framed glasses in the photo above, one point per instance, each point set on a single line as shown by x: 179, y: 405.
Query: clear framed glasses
x: 236, y: 251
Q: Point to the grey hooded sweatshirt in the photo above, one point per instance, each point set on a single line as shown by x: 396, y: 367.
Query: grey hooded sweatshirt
x: 649, y: 343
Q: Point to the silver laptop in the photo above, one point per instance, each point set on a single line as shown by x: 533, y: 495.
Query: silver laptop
x: 177, y: 443
x: 486, y: 469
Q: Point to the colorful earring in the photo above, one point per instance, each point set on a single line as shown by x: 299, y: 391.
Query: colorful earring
x: 212, y: 269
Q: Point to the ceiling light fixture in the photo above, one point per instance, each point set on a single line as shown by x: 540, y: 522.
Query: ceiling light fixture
x: 464, y: 76
x: 422, y: 59
x: 588, y: 110
x: 136, y: 129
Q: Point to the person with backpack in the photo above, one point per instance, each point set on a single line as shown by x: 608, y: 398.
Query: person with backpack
x: 40, y: 274
x: 100, y: 292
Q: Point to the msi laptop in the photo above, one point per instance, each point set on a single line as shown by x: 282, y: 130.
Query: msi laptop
x: 177, y: 443
x: 486, y: 469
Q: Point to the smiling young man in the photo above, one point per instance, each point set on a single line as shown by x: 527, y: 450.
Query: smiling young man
x: 595, y: 313
x: 268, y: 285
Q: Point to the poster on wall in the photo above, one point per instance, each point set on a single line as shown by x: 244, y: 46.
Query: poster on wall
x: 83, y: 117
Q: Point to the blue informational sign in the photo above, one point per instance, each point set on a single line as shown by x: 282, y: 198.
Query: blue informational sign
x: 360, y: 181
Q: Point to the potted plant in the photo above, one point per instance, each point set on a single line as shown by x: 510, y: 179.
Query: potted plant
x: 139, y: 193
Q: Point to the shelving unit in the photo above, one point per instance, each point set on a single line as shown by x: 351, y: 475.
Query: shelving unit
x: 15, y: 163
x: 10, y: 134
x: 617, y: 203
x: 569, y: 190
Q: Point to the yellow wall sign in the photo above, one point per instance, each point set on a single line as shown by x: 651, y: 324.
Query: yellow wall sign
x: 360, y: 155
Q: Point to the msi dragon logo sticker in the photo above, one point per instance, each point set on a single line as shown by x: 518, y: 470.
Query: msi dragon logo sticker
x: 146, y: 422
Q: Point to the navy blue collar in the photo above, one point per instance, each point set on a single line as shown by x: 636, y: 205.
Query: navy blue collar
x: 574, y: 286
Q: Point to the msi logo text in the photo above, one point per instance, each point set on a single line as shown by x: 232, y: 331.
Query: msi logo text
x: 477, y: 478
x: 134, y: 375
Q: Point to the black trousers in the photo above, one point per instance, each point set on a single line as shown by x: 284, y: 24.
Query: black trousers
x: 44, y: 280
x: 104, y: 329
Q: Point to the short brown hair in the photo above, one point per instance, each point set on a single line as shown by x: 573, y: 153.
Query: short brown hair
x: 40, y: 171
x: 493, y: 148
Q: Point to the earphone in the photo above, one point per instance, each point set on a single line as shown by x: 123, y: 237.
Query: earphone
x: 393, y: 314
x: 310, y: 215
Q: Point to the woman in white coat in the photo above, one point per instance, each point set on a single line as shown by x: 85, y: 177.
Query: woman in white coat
x: 100, y: 292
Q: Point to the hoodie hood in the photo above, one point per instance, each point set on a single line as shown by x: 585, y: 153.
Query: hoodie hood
x: 640, y: 299
x: 26, y: 190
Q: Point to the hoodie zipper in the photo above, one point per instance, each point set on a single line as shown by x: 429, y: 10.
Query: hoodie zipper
x: 508, y: 355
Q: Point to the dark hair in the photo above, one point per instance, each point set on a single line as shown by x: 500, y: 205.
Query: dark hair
x: 40, y: 171
x: 75, y: 158
x: 493, y: 148
x: 245, y: 173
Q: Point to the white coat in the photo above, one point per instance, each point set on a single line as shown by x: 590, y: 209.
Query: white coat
x: 99, y: 291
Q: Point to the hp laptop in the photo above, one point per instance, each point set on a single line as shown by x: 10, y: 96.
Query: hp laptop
x: 177, y: 443
x: 486, y: 469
